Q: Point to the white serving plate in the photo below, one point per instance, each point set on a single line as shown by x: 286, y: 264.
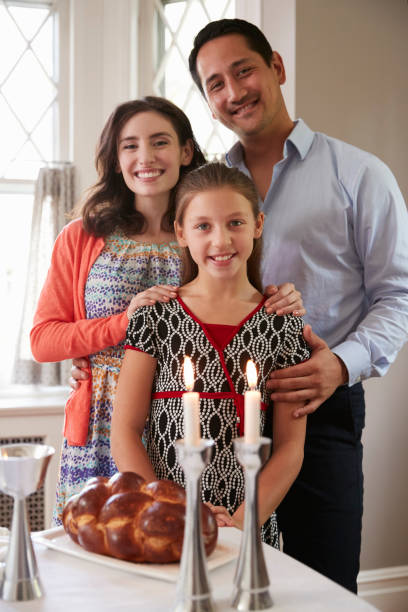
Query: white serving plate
x: 57, y: 539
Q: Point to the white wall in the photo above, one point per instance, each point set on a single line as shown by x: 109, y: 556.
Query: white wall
x: 351, y: 82
x: 102, y: 74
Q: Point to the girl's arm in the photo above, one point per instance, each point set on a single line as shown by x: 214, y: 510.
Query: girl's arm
x: 131, y: 407
x: 281, y: 469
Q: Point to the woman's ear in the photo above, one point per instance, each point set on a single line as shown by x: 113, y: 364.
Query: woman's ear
x: 178, y: 230
x: 187, y: 152
x: 259, y: 223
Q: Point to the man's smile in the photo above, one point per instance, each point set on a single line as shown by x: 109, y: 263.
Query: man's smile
x: 248, y: 106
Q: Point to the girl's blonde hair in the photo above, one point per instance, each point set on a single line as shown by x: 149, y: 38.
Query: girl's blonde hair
x: 206, y: 178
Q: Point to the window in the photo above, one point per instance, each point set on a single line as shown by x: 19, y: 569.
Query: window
x: 177, y: 23
x: 28, y: 88
x: 28, y: 127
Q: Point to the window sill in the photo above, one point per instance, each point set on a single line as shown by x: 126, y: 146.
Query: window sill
x: 21, y: 400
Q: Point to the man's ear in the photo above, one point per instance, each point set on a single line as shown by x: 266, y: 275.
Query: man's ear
x: 279, y: 67
x: 178, y: 230
x: 259, y: 223
x: 187, y: 152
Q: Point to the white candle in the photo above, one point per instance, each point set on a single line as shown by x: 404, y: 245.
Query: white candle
x: 191, y: 403
x: 252, y: 406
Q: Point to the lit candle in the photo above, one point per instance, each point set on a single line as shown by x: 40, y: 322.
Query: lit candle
x: 252, y: 406
x: 191, y: 402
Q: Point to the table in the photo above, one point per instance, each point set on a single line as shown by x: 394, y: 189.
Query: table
x: 82, y: 586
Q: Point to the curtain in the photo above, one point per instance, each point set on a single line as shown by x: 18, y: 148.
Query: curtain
x: 53, y: 199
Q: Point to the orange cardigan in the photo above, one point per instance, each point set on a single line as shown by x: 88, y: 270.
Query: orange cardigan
x: 61, y: 329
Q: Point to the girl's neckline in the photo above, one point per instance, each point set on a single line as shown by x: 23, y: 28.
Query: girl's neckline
x: 236, y: 326
x: 218, y: 325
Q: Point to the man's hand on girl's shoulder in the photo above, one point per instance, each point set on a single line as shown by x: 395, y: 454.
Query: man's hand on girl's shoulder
x: 313, y: 381
x: 284, y: 299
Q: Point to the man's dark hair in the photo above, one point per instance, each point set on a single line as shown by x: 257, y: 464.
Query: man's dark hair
x: 254, y: 37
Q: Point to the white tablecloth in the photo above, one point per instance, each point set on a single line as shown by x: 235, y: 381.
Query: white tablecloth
x: 81, y: 586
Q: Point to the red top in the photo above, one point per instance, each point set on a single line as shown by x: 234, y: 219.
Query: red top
x: 220, y: 334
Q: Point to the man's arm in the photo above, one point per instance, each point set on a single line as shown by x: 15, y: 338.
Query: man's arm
x: 380, y: 225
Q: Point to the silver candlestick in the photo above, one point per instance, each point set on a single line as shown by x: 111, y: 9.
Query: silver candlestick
x: 22, y: 472
x: 251, y: 582
x: 193, y: 590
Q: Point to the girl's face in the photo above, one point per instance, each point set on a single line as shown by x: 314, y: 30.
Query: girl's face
x: 150, y: 155
x: 219, y: 228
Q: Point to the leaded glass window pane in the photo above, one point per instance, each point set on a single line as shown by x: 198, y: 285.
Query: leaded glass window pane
x: 178, y: 21
x: 28, y: 88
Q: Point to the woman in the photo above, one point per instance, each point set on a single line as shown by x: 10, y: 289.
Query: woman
x: 103, y: 266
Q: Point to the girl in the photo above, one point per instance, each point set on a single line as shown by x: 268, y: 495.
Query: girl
x: 118, y: 255
x: 218, y: 319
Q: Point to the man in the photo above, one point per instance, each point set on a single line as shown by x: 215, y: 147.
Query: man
x: 337, y: 226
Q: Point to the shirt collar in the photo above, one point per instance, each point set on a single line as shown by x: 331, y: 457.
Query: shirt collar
x: 301, y: 137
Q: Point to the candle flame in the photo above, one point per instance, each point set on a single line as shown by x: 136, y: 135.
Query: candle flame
x: 188, y: 374
x: 252, y: 375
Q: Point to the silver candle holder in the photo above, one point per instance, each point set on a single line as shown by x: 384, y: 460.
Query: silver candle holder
x: 22, y: 472
x: 251, y: 581
x: 193, y: 589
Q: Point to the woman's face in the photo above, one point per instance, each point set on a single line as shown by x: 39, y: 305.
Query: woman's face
x: 150, y: 154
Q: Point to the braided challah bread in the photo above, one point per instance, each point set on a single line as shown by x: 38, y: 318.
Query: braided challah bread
x: 127, y: 518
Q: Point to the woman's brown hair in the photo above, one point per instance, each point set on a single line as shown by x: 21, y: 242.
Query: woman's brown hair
x: 217, y: 176
x: 110, y: 204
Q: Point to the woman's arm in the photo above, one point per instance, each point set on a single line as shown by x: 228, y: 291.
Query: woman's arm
x: 131, y: 408
x: 281, y: 469
x: 59, y: 331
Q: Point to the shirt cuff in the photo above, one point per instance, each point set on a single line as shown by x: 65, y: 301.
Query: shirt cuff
x: 356, y: 359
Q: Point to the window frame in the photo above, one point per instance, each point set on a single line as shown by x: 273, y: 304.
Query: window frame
x: 61, y: 52
x: 151, y: 49
x: 60, y: 10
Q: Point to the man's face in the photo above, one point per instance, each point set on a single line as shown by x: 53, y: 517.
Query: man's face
x: 242, y: 91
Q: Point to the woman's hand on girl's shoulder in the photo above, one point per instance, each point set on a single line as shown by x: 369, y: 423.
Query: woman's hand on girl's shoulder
x: 284, y: 299
x: 157, y: 293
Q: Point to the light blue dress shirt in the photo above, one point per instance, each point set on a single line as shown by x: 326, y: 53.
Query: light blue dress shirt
x: 336, y: 225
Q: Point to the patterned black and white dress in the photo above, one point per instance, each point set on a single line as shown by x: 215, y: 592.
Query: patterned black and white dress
x: 169, y: 332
